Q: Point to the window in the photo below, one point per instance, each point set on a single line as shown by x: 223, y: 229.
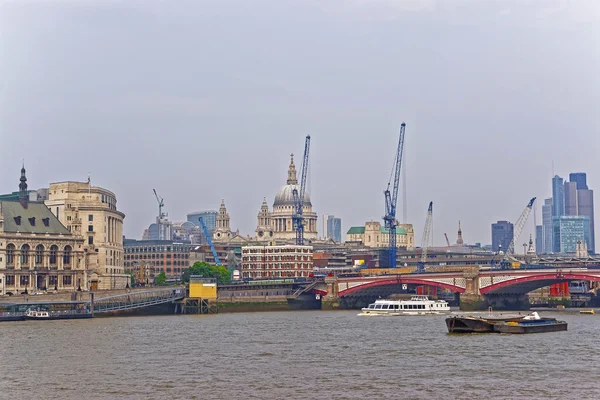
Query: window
x: 10, y: 254
x: 24, y: 280
x: 67, y: 280
x: 67, y: 255
x: 25, y: 254
x: 90, y: 217
x: 39, y: 254
x: 90, y: 228
x: 10, y: 280
x: 53, y: 253
x: 90, y: 240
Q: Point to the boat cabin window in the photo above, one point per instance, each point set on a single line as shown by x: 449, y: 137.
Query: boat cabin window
x: 371, y: 306
x: 378, y: 306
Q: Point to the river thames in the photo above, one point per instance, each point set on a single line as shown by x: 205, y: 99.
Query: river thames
x: 293, y: 355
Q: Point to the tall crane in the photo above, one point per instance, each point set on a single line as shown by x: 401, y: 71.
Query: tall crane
x: 161, y: 204
x: 392, y: 199
x: 447, y: 241
x: 298, y: 197
x: 425, y: 239
x: 209, y: 240
x: 519, y: 225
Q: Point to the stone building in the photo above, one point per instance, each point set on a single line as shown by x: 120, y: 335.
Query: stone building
x: 277, y: 224
x: 37, y: 252
x: 91, y: 212
x: 167, y: 256
x: 290, y: 261
x: 375, y: 235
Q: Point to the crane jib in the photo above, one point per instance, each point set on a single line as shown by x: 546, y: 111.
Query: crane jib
x: 391, y: 199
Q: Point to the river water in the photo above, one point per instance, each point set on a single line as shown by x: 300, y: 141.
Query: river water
x: 293, y: 355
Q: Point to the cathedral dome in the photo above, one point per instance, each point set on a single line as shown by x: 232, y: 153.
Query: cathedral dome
x: 286, y: 196
x: 286, y: 193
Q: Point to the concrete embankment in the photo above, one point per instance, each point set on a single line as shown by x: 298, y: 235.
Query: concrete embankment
x: 231, y: 304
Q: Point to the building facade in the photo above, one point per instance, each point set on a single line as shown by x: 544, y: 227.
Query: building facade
x: 37, y: 252
x: 539, y: 239
x: 547, y: 226
x: 334, y: 228
x: 568, y: 230
x: 210, y: 220
x: 558, y: 196
x: 91, y: 212
x: 158, y: 256
x: 375, y: 235
x: 264, y: 262
x: 502, y: 235
x: 277, y: 224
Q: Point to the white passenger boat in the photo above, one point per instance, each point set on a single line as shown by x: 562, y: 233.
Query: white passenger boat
x: 417, y: 305
x: 33, y: 314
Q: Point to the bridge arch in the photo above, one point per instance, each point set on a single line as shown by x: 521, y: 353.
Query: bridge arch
x: 399, y: 281
x: 526, y: 284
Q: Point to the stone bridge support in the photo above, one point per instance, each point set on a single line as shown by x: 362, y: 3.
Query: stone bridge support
x: 473, y: 300
x: 331, y: 300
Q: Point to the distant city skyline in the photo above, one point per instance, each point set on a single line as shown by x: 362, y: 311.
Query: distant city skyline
x: 213, y: 109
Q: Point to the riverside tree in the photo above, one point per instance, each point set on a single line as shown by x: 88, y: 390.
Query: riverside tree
x: 206, y: 270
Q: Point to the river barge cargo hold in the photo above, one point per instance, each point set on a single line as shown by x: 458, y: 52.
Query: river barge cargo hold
x: 469, y: 324
x: 531, y: 323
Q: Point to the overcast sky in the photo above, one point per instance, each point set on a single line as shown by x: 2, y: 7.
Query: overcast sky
x: 204, y: 100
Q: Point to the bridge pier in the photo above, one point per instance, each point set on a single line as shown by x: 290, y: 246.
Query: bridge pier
x: 518, y: 301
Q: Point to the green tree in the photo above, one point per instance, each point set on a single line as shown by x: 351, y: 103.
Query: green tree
x: 206, y: 270
x: 131, y: 278
x: 161, y: 279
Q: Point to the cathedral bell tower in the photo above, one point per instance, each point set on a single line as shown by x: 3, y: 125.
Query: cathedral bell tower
x: 263, y: 227
x: 222, y: 230
x: 459, y: 241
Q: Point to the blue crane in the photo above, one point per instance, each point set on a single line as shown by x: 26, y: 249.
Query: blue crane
x: 392, y: 199
x: 298, y: 197
x: 210, y: 243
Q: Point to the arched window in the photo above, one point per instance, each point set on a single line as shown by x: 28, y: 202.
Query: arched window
x: 39, y: 254
x: 10, y: 254
x: 25, y: 254
x: 53, y: 253
x: 67, y: 255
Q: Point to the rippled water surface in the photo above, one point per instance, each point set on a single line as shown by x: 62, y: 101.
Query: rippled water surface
x: 295, y: 355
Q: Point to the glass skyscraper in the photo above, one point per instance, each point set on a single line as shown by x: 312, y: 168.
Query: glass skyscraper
x: 502, y: 235
x: 210, y: 220
x: 579, y: 178
x: 568, y: 230
x: 539, y: 239
x: 547, y: 226
x: 558, y: 196
x: 332, y: 227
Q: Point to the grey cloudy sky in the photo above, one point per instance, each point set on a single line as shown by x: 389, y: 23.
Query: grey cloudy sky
x: 205, y: 100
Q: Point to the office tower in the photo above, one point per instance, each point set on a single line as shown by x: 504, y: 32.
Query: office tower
x: 539, y: 239
x: 568, y: 230
x: 502, y: 235
x: 579, y: 201
x: 547, y: 226
x: 558, y: 196
x: 332, y: 228
x: 579, y: 178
